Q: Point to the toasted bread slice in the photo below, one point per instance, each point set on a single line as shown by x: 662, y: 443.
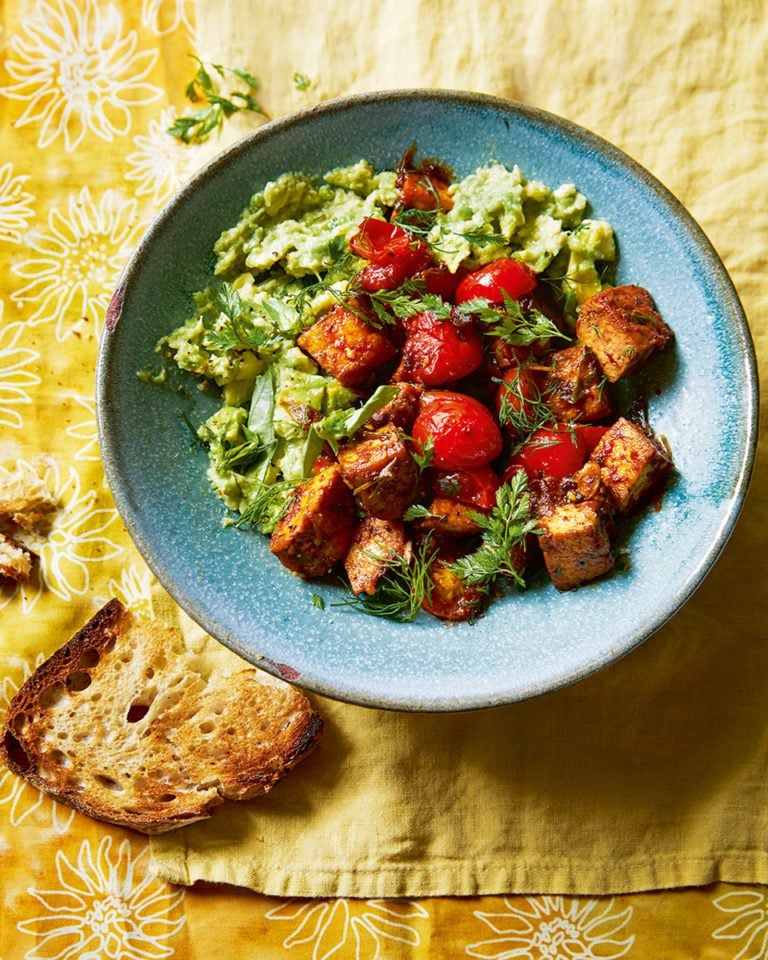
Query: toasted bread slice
x: 125, y: 724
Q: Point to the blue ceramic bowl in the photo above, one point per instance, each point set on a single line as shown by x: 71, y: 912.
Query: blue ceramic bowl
x: 702, y: 396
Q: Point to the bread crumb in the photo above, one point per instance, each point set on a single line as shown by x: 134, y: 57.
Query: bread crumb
x: 26, y: 501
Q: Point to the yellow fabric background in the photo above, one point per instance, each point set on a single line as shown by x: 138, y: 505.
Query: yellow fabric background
x: 650, y: 774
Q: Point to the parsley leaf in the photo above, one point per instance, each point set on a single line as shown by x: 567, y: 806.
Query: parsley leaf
x: 197, y: 126
x: 237, y: 331
x: 518, y: 327
x: 504, y: 530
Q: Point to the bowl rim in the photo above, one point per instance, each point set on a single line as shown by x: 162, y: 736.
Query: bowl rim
x: 573, y: 131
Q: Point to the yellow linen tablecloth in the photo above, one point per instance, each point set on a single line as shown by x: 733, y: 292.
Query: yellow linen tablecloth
x: 649, y: 775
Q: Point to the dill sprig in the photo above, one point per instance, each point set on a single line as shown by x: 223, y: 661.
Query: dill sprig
x: 523, y: 406
x: 403, y: 589
x: 504, y: 531
x: 197, y: 126
x: 236, y: 332
x: 266, y: 504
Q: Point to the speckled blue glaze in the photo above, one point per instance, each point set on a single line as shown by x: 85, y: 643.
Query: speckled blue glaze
x: 703, y: 398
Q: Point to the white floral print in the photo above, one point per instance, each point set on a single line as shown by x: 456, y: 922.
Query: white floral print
x: 748, y: 925
x: 23, y: 799
x: 328, y: 927
x: 160, y: 163
x: 74, y: 543
x: 134, y: 589
x: 554, y: 928
x: 15, y: 209
x: 86, y: 431
x: 164, y: 16
x: 73, y: 267
x: 107, y: 907
x: 16, y: 377
x: 77, y: 72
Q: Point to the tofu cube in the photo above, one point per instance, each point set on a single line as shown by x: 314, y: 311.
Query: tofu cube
x: 575, y: 388
x: 346, y: 346
x: 315, y: 531
x: 632, y: 465
x: 381, y: 473
x: 622, y: 328
x: 374, y: 545
x: 402, y: 410
x: 450, y: 516
x: 575, y: 544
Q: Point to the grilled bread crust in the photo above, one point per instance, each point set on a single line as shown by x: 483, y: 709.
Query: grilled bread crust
x: 127, y: 725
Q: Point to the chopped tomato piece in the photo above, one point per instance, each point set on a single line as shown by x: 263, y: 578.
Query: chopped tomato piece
x: 425, y: 192
x: 438, y: 351
x: 385, y: 243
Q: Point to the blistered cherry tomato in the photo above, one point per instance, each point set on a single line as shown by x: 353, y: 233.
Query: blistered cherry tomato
x: 477, y: 487
x: 464, y: 432
x: 515, y: 399
x: 492, y: 281
x: 556, y: 453
x: 439, y: 279
x: 381, y: 276
x: 386, y: 243
x: 438, y: 351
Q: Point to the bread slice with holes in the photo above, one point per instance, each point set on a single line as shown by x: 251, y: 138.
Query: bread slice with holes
x: 127, y: 724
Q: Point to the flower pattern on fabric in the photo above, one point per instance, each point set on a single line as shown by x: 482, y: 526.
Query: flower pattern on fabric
x: 554, y: 928
x: 22, y: 798
x: 86, y: 431
x: 15, y: 377
x: 15, y: 209
x: 165, y: 16
x: 107, y: 907
x: 134, y: 589
x: 160, y: 163
x: 749, y: 923
x: 365, y: 926
x: 72, y: 545
x: 78, y: 260
x: 77, y: 72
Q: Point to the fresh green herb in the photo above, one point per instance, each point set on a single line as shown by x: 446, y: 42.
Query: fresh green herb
x: 417, y: 511
x: 345, y: 423
x: 237, y: 332
x: 197, y: 126
x: 425, y: 456
x: 246, y: 454
x: 318, y: 602
x: 265, y: 505
x: 480, y: 239
x: 402, y: 590
x: 198, y: 440
x: 523, y: 406
x: 518, y: 327
x: 504, y: 531
x: 301, y: 81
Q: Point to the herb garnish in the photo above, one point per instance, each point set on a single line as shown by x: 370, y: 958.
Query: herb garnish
x: 197, y: 126
x: 301, y: 81
x: 236, y: 332
x: 403, y: 589
x: 266, y: 504
x: 518, y: 327
x: 504, y: 531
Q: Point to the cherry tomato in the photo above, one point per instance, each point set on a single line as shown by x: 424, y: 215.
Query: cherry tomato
x: 477, y: 487
x: 425, y: 192
x: 381, y: 276
x: 515, y: 399
x: 464, y: 432
x: 492, y: 281
x: 439, y: 279
x: 437, y: 351
x: 385, y: 243
x: 557, y: 453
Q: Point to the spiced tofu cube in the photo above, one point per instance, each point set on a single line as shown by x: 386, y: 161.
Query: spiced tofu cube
x: 402, y: 410
x: 576, y: 388
x: 346, y: 346
x: 317, y: 527
x: 375, y: 544
x: 450, y: 516
x: 381, y: 473
x: 575, y: 544
x: 622, y: 328
x: 632, y: 465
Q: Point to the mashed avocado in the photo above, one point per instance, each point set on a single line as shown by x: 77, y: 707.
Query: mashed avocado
x: 287, y: 262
